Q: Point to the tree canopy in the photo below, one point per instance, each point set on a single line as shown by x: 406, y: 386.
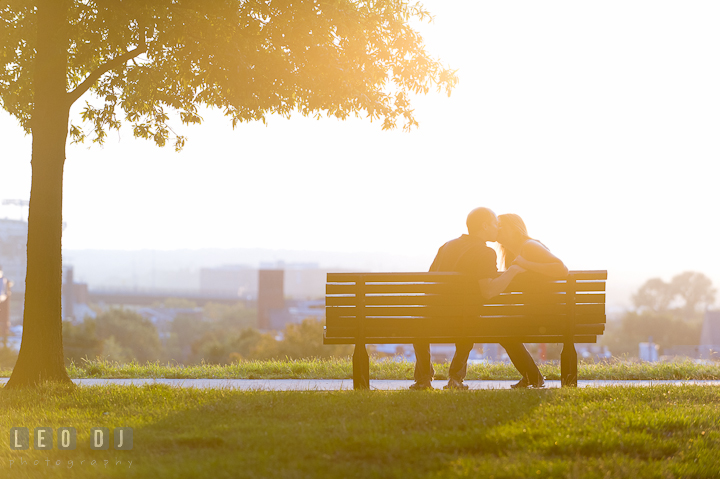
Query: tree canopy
x: 144, y: 60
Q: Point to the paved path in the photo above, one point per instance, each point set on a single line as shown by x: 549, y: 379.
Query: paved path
x: 346, y: 384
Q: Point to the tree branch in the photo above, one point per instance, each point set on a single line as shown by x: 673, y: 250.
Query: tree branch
x: 103, y: 69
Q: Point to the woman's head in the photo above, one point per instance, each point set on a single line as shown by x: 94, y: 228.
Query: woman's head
x: 512, y: 229
x: 512, y: 234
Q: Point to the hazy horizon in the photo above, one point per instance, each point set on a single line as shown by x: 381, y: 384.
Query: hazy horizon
x: 177, y: 269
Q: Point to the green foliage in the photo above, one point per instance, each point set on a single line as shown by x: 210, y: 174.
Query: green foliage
x: 695, y: 289
x: 144, y: 59
x: 236, y: 316
x: 185, y: 329
x: 127, y: 336
x: 298, y: 341
x: 122, y: 335
x: 301, y: 341
x: 690, y: 289
x: 80, y: 340
x: 193, y: 340
x: 622, y: 337
x: 655, y: 294
x: 669, y: 313
x: 177, y: 303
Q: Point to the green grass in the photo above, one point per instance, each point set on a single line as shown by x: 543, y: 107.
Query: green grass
x: 610, y: 432
x: 342, y: 369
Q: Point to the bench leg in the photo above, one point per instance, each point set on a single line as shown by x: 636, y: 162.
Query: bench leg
x: 361, y: 368
x: 568, y: 365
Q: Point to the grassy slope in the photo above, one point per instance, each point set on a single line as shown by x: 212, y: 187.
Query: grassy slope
x: 187, y: 433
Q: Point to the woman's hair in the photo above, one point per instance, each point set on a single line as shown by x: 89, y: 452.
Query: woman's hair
x: 515, y: 226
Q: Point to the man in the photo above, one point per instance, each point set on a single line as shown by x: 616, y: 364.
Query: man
x: 470, y: 255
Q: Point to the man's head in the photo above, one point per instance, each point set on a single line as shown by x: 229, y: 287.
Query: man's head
x: 483, y: 223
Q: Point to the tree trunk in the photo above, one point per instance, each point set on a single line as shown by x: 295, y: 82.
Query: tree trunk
x: 41, y: 355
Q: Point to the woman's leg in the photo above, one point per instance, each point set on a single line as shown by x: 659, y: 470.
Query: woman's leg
x: 523, y: 362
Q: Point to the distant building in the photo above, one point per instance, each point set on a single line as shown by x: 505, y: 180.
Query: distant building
x: 271, y: 296
x: 231, y: 280
x: 303, y: 281
x: 13, y: 252
x: 648, y: 351
x: 75, y: 298
x: 295, y: 311
x: 4, y: 306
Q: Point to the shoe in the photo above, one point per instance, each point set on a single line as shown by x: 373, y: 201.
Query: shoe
x: 524, y: 383
x: 422, y: 386
x: 455, y: 384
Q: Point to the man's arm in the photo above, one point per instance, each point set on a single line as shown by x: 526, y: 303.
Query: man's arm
x: 489, y: 288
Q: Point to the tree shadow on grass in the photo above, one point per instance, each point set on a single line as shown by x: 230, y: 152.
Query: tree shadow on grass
x: 326, y: 434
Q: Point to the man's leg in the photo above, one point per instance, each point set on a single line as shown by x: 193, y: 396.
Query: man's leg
x: 523, y: 362
x: 458, y: 366
x: 424, y: 371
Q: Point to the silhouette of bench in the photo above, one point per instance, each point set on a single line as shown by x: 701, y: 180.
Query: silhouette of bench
x: 404, y: 308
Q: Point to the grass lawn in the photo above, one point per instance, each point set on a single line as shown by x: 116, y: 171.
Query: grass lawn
x: 609, y: 432
x: 342, y: 369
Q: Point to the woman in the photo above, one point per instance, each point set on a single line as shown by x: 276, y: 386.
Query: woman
x: 516, y: 247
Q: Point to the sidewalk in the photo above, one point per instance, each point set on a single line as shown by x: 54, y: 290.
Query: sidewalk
x: 347, y: 384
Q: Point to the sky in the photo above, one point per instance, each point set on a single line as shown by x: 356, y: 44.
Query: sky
x: 597, y: 122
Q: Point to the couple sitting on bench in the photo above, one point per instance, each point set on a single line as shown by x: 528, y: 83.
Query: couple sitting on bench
x: 469, y: 254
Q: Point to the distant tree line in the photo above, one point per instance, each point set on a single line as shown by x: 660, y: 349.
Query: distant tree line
x: 671, y: 313
x: 221, y: 335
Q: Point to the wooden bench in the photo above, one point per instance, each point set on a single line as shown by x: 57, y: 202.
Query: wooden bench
x: 404, y: 308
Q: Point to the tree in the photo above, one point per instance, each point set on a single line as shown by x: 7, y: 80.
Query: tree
x: 655, y: 294
x: 145, y: 58
x: 304, y: 341
x: 230, y: 316
x: 80, y: 340
x: 687, y: 291
x: 666, y: 330
x: 667, y: 312
x: 695, y: 289
x: 132, y: 335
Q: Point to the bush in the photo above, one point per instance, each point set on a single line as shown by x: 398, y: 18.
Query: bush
x: 80, y: 341
x: 297, y: 341
x: 127, y: 335
x: 302, y: 341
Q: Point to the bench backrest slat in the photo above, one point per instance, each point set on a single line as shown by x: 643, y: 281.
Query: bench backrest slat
x: 444, y: 277
x: 384, y: 306
x: 450, y: 300
x: 470, y: 311
x: 449, y: 288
